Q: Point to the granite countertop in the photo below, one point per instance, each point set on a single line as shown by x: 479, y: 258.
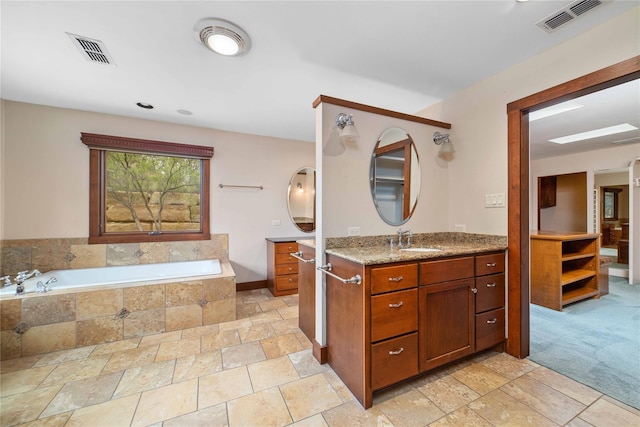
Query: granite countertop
x: 376, y: 249
x: 307, y: 242
x: 282, y: 239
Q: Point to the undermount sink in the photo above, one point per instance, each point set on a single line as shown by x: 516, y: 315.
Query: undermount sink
x: 421, y: 250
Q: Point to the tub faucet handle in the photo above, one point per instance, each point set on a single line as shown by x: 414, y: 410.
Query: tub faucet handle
x: 7, y: 280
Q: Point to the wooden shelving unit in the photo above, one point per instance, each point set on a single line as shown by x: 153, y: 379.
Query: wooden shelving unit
x: 564, y: 268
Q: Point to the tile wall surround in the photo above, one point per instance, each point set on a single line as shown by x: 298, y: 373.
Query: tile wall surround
x: 66, y: 254
x: 36, y: 324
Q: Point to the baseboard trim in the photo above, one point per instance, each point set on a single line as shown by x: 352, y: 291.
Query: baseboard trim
x: 248, y: 286
x: 320, y: 352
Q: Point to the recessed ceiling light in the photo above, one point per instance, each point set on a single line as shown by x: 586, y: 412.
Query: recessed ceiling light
x: 611, y: 130
x: 144, y: 105
x: 553, y: 110
x: 185, y: 112
x: 222, y: 37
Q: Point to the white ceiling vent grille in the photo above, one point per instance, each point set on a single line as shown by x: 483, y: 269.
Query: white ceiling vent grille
x: 568, y: 14
x: 92, y: 50
x: 627, y: 141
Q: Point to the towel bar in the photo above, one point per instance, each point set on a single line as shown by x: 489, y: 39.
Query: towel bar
x: 326, y: 269
x: 298, y: 255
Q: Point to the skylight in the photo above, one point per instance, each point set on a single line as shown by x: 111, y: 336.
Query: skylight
x: 611, y: 130
x: 553, y: 110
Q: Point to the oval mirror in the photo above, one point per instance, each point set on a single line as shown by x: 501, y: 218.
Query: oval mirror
x: 302, y: 199
x: 395, y: 176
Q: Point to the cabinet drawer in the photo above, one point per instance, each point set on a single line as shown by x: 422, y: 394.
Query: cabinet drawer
x: 286, y: 269
x: 489, y: 329
x: 490, y: 293
x: 286, y: 247
x: 285, y: 259
x: 286, y: 283
x: 395, y: 313
x: 489, y: 264
x: 394, y: 360
x: 446, y: 270
x: 387, y: 279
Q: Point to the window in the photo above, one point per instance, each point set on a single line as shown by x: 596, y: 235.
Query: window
x: 147, y: 191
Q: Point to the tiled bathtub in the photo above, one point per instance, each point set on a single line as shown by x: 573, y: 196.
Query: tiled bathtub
x: 58, y: 320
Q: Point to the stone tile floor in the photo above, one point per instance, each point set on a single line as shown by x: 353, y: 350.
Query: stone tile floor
x: 259, y: 371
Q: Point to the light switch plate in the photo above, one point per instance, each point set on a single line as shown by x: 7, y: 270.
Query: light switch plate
x: 353, y: 231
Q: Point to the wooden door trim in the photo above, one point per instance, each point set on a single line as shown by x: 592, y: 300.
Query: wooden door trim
x: 518, y: 186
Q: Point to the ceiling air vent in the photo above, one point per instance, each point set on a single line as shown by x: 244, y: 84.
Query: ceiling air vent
x: 92, y: 50
x: 568, y: 13
x: 627, y: 141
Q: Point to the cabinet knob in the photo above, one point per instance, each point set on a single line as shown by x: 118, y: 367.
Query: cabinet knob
x: 396, y: 352
x: 474, y: 290
x: 491, y: 285
x: 398, y: 305
x: 396, y: 279
x: 492, y: 321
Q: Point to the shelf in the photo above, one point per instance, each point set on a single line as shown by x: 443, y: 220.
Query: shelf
x: 575, y: 275
x: 572, y: 257
x: 391, y: 180
x: 578, y: 294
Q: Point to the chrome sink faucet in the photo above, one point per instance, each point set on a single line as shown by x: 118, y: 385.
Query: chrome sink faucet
x: 408, y: 234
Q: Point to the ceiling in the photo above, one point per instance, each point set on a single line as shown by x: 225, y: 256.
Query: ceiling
x: 397, y: 55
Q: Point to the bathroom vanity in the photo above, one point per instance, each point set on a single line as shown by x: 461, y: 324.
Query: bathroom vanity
x: 413, y: 310
x: 282, y: 267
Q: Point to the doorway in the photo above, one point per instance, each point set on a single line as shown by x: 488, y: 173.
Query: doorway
x: 518, y: 193
x: 613, y: 216
x: 518, y: 343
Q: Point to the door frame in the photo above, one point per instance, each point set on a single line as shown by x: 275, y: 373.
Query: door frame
x: 518, y: 186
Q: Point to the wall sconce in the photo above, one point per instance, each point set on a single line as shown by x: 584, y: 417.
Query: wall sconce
x: 446, y: 147
x: 300, y: 189
x: 349, y: 132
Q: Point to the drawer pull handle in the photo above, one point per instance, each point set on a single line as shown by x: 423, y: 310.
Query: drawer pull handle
x: 290, y: 269
x: 290, y: 280
x: 396, y: 279
x: 492, y: 321
x: 398, y: 305
x: 491, y: 264
x: 396, y: 352
x: 491, y: 285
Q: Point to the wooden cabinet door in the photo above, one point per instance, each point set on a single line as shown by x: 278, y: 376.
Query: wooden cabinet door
x: 307, y: 293
x: 447, y: 322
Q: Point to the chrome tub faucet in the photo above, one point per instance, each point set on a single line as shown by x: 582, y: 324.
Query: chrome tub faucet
x: 21, y: 277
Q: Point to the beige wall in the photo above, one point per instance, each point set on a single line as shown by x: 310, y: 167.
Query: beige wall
x: 570, y: 211
x: 479, y: 118
x: 46, y: 170
x: 347, y: 200
x: 2, y: 157
x: 591, y: 162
